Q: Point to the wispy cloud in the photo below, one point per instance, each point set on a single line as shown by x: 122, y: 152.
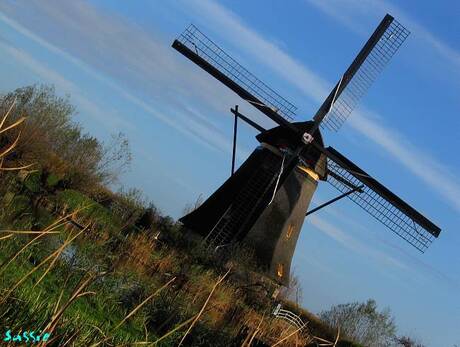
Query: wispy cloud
x: 51, y: 76
x: 352, y: 243
x: 353, y: 13
x: 421, y: 165
x: 127, y: 59
x: 234, y: 30
x: 358, y: 237
x: 427, y: 168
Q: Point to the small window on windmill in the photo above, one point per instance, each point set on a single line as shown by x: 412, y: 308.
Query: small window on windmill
x: 280, y: 270
x: 289, y: 232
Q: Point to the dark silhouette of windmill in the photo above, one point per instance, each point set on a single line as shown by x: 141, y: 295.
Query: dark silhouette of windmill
x: 263, y: 204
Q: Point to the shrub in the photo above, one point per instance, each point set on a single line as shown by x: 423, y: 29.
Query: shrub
x: 362, y: 322
x: 32, y: 182
x: 52, y: 180
x: 51, y: 139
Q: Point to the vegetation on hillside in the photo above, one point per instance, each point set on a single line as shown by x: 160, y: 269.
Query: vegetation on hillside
x: 362, y: 322
x: 93, y: 267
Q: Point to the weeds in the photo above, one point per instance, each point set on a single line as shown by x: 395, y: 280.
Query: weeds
x: 9, y: 148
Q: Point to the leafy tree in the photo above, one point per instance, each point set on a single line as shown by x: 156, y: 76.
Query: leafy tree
x: 53, y: 140
x: 362, y: 322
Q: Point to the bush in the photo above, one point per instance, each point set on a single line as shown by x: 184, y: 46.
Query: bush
x: 362, y: 322
x: 33, y: 182
x: 53, y: 141
x: 52, y: 180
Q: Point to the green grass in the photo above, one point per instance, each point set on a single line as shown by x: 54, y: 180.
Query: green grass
x: 32, y: 305
x: 131, y: 268
x: 91, y: 209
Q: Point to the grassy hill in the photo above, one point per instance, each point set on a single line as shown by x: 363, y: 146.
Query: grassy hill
x: 92, y: 267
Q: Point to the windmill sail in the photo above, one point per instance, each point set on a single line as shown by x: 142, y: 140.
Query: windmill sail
x: 263, y: 203
x: 368, y: 64
x: 205, y: 53
x: 380, y: 202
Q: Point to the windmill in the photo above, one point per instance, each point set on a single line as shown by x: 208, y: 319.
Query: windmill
x: 263, y: 204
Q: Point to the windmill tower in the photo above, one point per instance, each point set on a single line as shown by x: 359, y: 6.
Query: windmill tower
x: 264, y: 203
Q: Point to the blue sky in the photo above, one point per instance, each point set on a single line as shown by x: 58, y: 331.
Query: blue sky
x: 115, y: 60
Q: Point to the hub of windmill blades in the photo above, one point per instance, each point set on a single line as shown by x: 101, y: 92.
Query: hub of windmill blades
x: 264, y: 202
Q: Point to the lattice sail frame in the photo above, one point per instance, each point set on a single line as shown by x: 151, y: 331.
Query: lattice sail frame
x: 402, y: 220
x: 380, y: 55
x: 195, y: 40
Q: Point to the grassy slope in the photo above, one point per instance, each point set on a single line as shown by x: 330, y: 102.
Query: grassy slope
x: 129, y: 266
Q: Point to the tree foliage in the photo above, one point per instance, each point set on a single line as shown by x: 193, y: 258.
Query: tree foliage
x: 52, y: 139
x: 406, y: 341
x: 362, y: 322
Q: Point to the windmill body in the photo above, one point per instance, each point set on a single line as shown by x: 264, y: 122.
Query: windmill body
x: 264, y: 203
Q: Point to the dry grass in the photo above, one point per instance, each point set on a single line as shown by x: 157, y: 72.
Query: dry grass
x: 144, y: 302
x: 219, y: 281
x: 9, y: 148
x: 133, y: 312
x: 225, y: 298
x: 167, y: 262
x: 274, y: 331
x: 251, y: 336
x: 138, y: 254
x: 177, y: 328
x: 324, y: 342
x: 289, y: 335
